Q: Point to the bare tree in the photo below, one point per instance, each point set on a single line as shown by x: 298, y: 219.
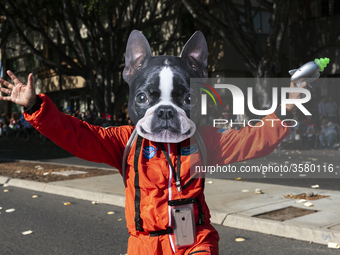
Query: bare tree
x: 88, y: 37
x: 233, y: 21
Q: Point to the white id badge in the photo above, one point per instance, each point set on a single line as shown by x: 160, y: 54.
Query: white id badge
x: 184, y: 225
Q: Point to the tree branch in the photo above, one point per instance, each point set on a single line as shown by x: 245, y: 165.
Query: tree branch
x: 268, y: 5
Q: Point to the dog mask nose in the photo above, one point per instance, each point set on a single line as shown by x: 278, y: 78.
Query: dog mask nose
x: 165, y: 112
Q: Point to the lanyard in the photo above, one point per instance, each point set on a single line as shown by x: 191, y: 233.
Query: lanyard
x: 178, y: 174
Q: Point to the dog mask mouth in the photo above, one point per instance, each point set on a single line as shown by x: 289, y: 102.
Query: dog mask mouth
x: 165, y: 130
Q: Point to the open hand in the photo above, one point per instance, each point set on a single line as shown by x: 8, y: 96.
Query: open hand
x: 294, y: 95
x: 19, y: 93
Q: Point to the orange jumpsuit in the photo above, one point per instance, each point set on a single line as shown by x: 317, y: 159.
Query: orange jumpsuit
x: 146, y: 206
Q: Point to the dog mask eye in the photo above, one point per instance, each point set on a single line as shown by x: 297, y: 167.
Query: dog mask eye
x: 190, y: 99
x: 141, y: 98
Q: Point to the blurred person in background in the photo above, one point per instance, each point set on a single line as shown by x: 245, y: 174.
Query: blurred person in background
x: 322, y: 108
x: 332, y: 109
x: 1, y: 129
x: 328, y: 135
x: 28, y: 129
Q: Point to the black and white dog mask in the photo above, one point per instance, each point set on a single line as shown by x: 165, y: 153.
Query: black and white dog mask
x: 161, y: 102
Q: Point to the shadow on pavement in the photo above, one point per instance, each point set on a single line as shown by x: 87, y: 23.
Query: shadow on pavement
x: 30, y: 150
x: 36, y: 150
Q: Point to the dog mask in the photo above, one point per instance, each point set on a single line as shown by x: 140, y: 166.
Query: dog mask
x: 161, y: 102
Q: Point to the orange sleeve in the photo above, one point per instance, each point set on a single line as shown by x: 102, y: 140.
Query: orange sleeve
x: 247, y: 143
x: 89, y: 142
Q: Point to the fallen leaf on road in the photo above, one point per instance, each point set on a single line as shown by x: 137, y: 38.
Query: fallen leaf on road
x: 67, y: 203
x: 28, y: 232
x: 0, y: 208
x: 334, y: 245
x: 210, y: 182
x: 240, y: 239
x: 34, y: 196
x: 70, y: 172
x: 245, y: 190
x: 308, y: 204
x: 316, y: 186
x: 10, y: 210
x: 238, y: 179
x: 94, y: 202
x: 120, y: 219
x: 314, y: 159
x: 6, y: 190
x: 111, y: 213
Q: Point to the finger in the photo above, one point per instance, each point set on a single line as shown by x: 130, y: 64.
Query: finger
x: 14, y: 78
x: 292, y: 85
x: 5, y: 98
x: 30, y: 81
x: 7, y: 84
x: 7, y: 91
x: 303, y: 85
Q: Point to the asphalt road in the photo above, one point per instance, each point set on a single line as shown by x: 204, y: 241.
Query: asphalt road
x: 84, y: 228
x: 78, y: 228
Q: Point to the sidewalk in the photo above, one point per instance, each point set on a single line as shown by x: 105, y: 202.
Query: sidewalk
x: 228, y: 200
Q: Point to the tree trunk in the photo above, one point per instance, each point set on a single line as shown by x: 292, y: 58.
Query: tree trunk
x: 263, y: 90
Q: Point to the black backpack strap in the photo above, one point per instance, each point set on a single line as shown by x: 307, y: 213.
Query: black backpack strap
x: 137, y: 188
x: 200, y: 212
x: 203, y: 153
x: 127, y: 152
x: 201, y: 147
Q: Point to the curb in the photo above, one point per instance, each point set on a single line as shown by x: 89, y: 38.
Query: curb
x: 282, y: 229
x: 58, y: 164
x: 100, y: 197
x: 4, y: 180
x: 299, y: 232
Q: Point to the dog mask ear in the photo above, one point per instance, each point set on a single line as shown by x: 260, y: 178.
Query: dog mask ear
x: 195, y: 52
x: 137, y: 51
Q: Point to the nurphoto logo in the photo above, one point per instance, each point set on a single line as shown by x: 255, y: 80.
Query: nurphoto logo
x: 219, y: 87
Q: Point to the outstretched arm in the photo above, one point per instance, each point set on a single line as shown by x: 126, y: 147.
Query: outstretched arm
x: 83, y: 140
